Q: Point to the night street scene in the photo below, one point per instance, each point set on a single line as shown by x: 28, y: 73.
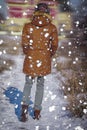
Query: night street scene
x: 65, y: 88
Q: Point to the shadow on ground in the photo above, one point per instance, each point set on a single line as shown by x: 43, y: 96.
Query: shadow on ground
x: 14, y: 95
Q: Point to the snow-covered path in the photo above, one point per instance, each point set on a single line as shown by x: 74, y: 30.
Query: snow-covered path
x: 54, y: 115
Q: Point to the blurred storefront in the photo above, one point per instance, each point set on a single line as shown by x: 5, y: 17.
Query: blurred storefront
x: 20, y: 12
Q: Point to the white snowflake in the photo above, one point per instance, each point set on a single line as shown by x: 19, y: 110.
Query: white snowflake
x: 63, y: 25
x: 40, y: 22
x: 45, y: 29
x: 24, y: 13
x: 10, y: 67
x: 0, y: 6
x: 0, y: 52
x: 71, y: 32
x: 39, y: 63
x: 12, y: 21
x: 48, y: 128
x: 54, y: 59
x: 29, y: 57
x: 31, y: 65
x: 77, y: 22
x: 69, y: 43
x: 52, y: 108
x: 16, y: 37
x: 15, y: 48
x: 30, y: 41
x: 37, y: 27
x: 76, y: 58
x: 4, y: 51
x: 31, y: 29
x: 80, y: 83
x: 70, y: 52
x: 62, y: 47
x: 4, y: 62
x: 79, y: 128
x: 47, y: 34
x: 63, y: 108
x: 18, y: 94
x: 1, y: 41
x: 65, y: 97
x: 16, y: 106
x: 8, y: 83
x: 69, y: 89
x: 28, y: 36
x: 36, y: 127
x: 61, y: 29
x: 68, y: 3
x: 53, y: 97
x: 74, y: 62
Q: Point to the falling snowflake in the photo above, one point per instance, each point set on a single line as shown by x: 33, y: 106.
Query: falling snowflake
x: 1, y: 42
x: 0, y: 52
x: 79, y: 128
x: 53, y: 97
x: 24, y: 13
x: 12, y: 21
x: 30, y: 41
x: 40, y: 22
x: 61, y: 29
x: 29, y: 57
x: 76, y: 58
x: 31, y: 65
x: 80, y: 83
x: 74, y: 62
x: 47, y: 34
x: 0, y: 6
x: 16, y: 106
x: 85, y: 111
x: 31, y: 30
x: 15, y: 48
x: 63, y: 25
x: 69, y: 43
x: 39, y: 63
x: 48, y: 128
x: 37, y: 27
x: 70, y: 52
x: 63, y: 108
x: 52, y: 108
x: 71, y: 32
x: 45, y: 29
x: 4, y: 51
x: 37, y: 128
x: 62, y: 47
x: 4, y: 62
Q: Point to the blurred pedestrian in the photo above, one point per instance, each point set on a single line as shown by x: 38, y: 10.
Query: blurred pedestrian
x: 39, y: 42
x: 3, y: 10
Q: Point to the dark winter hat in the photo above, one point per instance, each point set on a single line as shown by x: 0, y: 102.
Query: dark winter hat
x: 43, y: 7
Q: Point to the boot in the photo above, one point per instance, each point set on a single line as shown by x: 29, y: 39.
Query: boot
x: 37, y: 114
x: 24, y: 113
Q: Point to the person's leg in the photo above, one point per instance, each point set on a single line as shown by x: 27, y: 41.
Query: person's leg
x: 26, y: 98
x: 39, y: 96
x: 27, y: 89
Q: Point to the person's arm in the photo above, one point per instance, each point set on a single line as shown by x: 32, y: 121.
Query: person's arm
x: 54, y: 41
x: 25, y: 39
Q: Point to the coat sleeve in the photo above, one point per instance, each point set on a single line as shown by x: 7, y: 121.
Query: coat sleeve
x: 54, y: 41
x: 25, y: 39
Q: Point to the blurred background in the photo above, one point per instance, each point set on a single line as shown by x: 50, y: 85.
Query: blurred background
x: 71, y: 13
